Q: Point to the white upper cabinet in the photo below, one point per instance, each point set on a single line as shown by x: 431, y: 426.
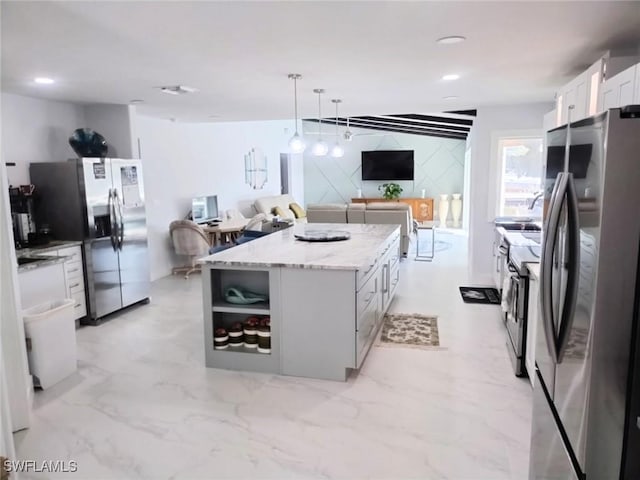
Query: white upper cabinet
x: 580, y: 95
x: 589, y: 93
x: 621, y: 89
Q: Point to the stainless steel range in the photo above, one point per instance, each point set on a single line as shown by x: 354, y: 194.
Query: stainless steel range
x: 523, y: 248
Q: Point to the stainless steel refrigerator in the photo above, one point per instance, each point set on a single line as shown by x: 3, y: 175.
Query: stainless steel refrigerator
x: 99, y: 201
x: 586, y: 412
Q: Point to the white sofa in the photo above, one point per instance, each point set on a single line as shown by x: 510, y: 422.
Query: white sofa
x: 267, y: 204
x: 371, y: 213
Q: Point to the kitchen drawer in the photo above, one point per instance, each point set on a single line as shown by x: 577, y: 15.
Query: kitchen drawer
x: 366, y: 294
x: 365, y: 273
x: 73, y: 270
x: 366, y: 332
x: 394, y: 279
x: 75, y: 286
x: 74, y: 254
x: 80, y: 306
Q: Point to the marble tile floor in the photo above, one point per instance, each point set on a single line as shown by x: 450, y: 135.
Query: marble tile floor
x: 142, y: 405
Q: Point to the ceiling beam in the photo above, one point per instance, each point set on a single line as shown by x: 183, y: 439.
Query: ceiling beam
x: 409, y: 130
x: 401, y: 122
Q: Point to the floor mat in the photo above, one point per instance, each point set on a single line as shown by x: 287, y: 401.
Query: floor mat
x: 409, y: 330
x: 480, y: 295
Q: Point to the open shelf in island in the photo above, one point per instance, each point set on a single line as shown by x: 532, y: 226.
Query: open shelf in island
x: 261, y: 308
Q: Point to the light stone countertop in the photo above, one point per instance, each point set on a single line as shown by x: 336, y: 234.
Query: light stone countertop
x: 534, y: 270
x: 40, y: 252
x: 282, y: 249
x: 41, y: 249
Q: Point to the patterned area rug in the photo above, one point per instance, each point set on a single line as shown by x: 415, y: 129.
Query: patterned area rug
x: 411, y: 330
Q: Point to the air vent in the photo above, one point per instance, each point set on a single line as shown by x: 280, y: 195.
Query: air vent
x: 177, y: 89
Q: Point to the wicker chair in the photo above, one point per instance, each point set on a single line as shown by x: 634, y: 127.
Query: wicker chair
x: 190, y: 240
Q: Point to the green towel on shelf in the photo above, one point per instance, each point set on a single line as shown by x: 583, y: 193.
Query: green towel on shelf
x: 242, y: 296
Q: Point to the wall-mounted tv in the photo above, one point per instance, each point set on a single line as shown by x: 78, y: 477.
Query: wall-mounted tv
x: 387, y: 165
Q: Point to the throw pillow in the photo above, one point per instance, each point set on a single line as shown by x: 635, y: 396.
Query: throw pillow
x: 278, y: 211
x: 298, y: 211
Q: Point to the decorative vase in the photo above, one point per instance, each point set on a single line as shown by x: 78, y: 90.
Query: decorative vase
x: 456, y: 209
x: 424, y: 193
x: 443, y: 210
x: 359, y: 193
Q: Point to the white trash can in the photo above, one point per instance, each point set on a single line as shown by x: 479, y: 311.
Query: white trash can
x: 51, y: 341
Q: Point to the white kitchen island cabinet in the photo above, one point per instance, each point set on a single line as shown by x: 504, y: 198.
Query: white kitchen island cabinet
x: 326, y: 300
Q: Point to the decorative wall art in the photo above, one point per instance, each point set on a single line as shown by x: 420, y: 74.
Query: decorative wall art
x: 255, y: 168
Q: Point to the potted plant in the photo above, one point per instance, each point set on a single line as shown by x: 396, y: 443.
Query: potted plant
x: 390, y: 191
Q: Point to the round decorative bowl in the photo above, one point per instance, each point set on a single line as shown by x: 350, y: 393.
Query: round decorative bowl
x: 88, y: 143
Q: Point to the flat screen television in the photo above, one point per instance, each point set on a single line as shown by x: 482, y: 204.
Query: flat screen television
x: 204, y: 209
x: 387, y: 165
x: 579, y: 158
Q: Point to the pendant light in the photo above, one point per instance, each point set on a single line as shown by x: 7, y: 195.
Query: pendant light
x: 320, y: 148
x: 348, y: 136
x: 296, y: 143
x: 337, y: 151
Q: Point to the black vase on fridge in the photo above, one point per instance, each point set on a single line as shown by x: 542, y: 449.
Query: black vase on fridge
x: 88, y: 143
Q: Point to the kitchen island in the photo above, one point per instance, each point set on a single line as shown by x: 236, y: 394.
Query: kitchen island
x: 325, y: 300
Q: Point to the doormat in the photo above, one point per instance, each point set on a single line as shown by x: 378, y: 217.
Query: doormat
x: 480, y: 295
x: 411, y: 330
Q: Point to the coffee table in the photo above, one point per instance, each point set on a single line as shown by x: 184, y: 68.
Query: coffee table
x: 426, y: 225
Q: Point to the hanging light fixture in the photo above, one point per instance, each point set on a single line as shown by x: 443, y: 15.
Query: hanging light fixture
x: 296, y: 143
x: 348, y: 135
x: 337, y: 151
x: 320, y: 148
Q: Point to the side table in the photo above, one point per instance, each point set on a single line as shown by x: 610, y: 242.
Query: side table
x: 425, y: 226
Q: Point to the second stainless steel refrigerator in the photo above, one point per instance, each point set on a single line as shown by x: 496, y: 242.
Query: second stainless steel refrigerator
x: 101, y: 202
x: 586, y: 413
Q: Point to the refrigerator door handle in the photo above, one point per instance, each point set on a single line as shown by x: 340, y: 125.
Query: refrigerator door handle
x: 112, y: 220
x: 551, y: 230
x: 120, y: 238
x: 573, y: 272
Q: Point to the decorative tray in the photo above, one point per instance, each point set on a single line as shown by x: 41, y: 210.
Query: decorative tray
x: 323, y: 235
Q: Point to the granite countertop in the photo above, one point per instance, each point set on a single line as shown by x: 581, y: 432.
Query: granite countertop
x: 39, y: 253
x: 53, y: 245
x: 281, y: 249
x: 521, y: 237
x: 534, y: 270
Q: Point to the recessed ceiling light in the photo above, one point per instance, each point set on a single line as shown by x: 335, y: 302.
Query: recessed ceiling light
x: 136, y: 100
x: 450, y: 97
x: 451, y: 39
x: 451, y: 76
x: 43, y: 80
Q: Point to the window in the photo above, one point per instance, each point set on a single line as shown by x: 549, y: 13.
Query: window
x: 520, y: 176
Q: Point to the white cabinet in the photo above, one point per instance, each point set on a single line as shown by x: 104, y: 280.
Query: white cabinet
x: 74, y: 279
x: 580, y: 95
x: 532, y: 323
x: 589, y: 93
x: 42, y: 284
x: 621, y: 89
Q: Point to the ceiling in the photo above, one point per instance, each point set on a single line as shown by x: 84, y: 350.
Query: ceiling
x: 378, y: 57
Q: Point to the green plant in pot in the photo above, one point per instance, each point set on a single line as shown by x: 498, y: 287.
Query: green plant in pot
x: 390, y: 191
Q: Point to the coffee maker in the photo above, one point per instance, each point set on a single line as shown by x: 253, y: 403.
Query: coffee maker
x: 21, y: 201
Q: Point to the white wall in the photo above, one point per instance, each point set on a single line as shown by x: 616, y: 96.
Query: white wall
x: 439, y: 166
x: 13, y: 357
x: 36, y: 130
x: 116, y: 123
x: 183, y: 160
x: 488, y: 121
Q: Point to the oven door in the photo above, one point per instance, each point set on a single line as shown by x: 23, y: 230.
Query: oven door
x: 515, y: 320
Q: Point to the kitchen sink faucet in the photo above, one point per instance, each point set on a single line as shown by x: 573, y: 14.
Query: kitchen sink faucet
x: 536, y: 197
